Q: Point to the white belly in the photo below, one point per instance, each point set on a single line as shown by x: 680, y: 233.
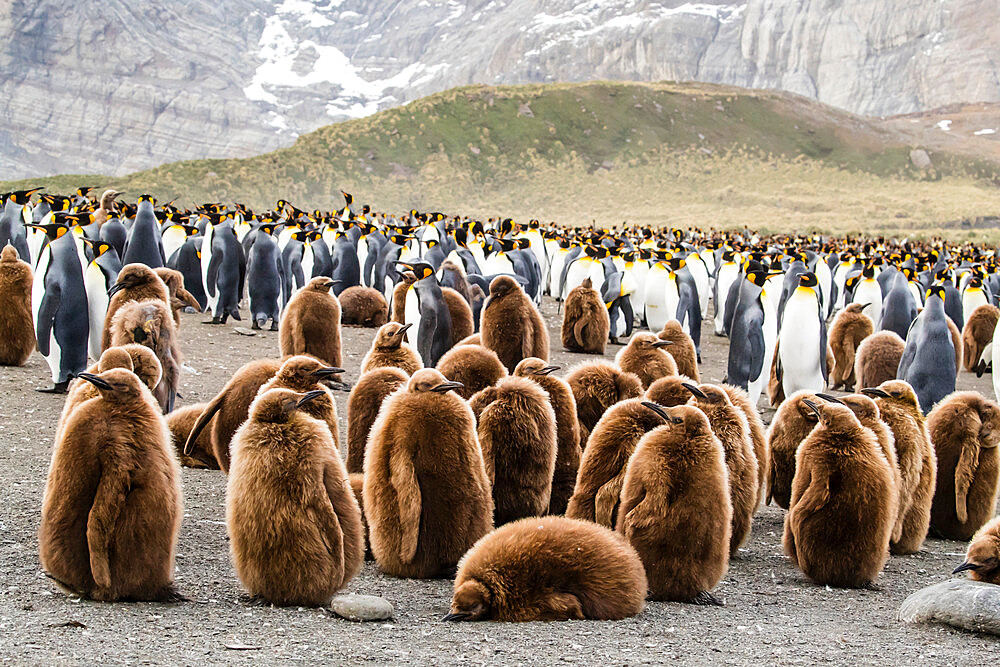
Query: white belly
x: 97, y: 307
x: 995, y: 359
x: 411, y: 316
x: 798, y: 346
x: 971, y: 299
x: 870, y: 292
x: 578, y: 271
x: 655, y: 299
x: 728, y: 272
x: 770, y: 333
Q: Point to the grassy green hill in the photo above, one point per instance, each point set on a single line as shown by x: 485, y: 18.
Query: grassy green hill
x: 661, y: 153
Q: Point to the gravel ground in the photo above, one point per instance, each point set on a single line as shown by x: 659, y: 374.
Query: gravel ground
x: 773, y: 614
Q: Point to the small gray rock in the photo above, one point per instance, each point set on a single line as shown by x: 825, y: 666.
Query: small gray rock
x: 355, y: 607
x: 962, y: 603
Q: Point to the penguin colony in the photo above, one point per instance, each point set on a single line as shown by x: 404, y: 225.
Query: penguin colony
x: 464, y: 448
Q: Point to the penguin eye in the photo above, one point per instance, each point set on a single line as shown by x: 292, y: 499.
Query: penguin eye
x: 677, y: 420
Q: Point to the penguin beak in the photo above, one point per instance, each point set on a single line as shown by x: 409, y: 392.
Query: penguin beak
x: 966, y: 566
x: 447, y: 386
x: 310, y: 396
x: 812, y: 406
x: 327, y: 372
x: 829, y: 398
x: 406, y: 264
x: 546, y: 370
x: 693, y: 388
x: 874, y: 391
x: 662, y: 343
x: 117, y: 287
x: 403, y: 329
x: 98, y: 382
x: 453, y: 616
x: 657, y: 408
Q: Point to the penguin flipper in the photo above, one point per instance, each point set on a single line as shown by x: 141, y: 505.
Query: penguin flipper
x: 823, y: 346
x: 203, y: 420
x: 46, y: 317
x: 404, y: 482
x: 330, y: 528
x: 755, y: 340
x: 909, y: 354
x: 108, y: 503
x: 965, y: 472
x: 607, y: 498
x: 212, y: 274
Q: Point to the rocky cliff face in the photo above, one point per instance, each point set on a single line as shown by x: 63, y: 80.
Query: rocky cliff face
x: 113, y: 86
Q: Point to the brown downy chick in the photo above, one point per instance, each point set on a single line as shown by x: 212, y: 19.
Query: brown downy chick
x: 427, y: 496
x: 136, y: 282
x: 877, y: 359
x: 597, y: 385
x: 900, y: 410
x: 363, y: 307
x: 849, y: 328
x: 982, y: 560
x: 179, y: 297
x: 511, y: 325
x: 293, y: 521
x: 964, y: 429
x: 389, y: 348
x: 17, y: 328
x: 792, y: 423
x: 517, y: 432
x: 603, y: 466
x: 682, y: 349
x: 310, y: 323
x: 645, y: 358
x: 841, y: 512
x: 150, y: 323
x: 567, y: 430
x: 548, y: 569
x: 475, y: 366
x: 363, y: 406
x: 675, y: 508
x: 730, y: 426
x: 113, y: 476
x: 585, y: 323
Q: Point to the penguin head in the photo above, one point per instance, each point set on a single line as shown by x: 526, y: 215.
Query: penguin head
x: 421, y: 270
x: 681, y: 422
x: 52, y: 230
x: 648, y: 341
x: 856, y: 307
x: 432, y: 243
x: 9, y: 254
x: 758, y: 276
x: 707, y: 397
x: 863, y: 407
x: 523, y: 243
x: 305, y: 373
x: 533, y: 366
x: 97, y: 247
x: 430, y: 380
x: 976, y: 282
x: 834, y: 416
x: 115, y: 357
x: 133, y: 276
x: 808, y: 280
x: 676, y: 263
x: 936, y: 290
x: 983, y: 556
x: 470, y: 602
x: 898, y: 392
x: 144, y: 363
x: 276, y: 406
x: 502, y: 286
x: 146, y: 199
x: 390, y: 336
x: 320, y: 284
x: 22, y: 197
x: 118, y: 385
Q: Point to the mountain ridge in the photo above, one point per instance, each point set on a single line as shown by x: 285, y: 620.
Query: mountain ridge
x: 110, y: 86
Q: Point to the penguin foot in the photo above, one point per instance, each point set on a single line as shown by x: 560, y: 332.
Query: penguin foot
x: 871, y: 586
x: 707, y: 599
x: 274, y: 325
x: 255, y: 326
x: 214, y: 320
x: 57, y: 388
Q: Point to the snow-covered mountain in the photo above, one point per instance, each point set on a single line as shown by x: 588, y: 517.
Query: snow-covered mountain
x: 116, y: 85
